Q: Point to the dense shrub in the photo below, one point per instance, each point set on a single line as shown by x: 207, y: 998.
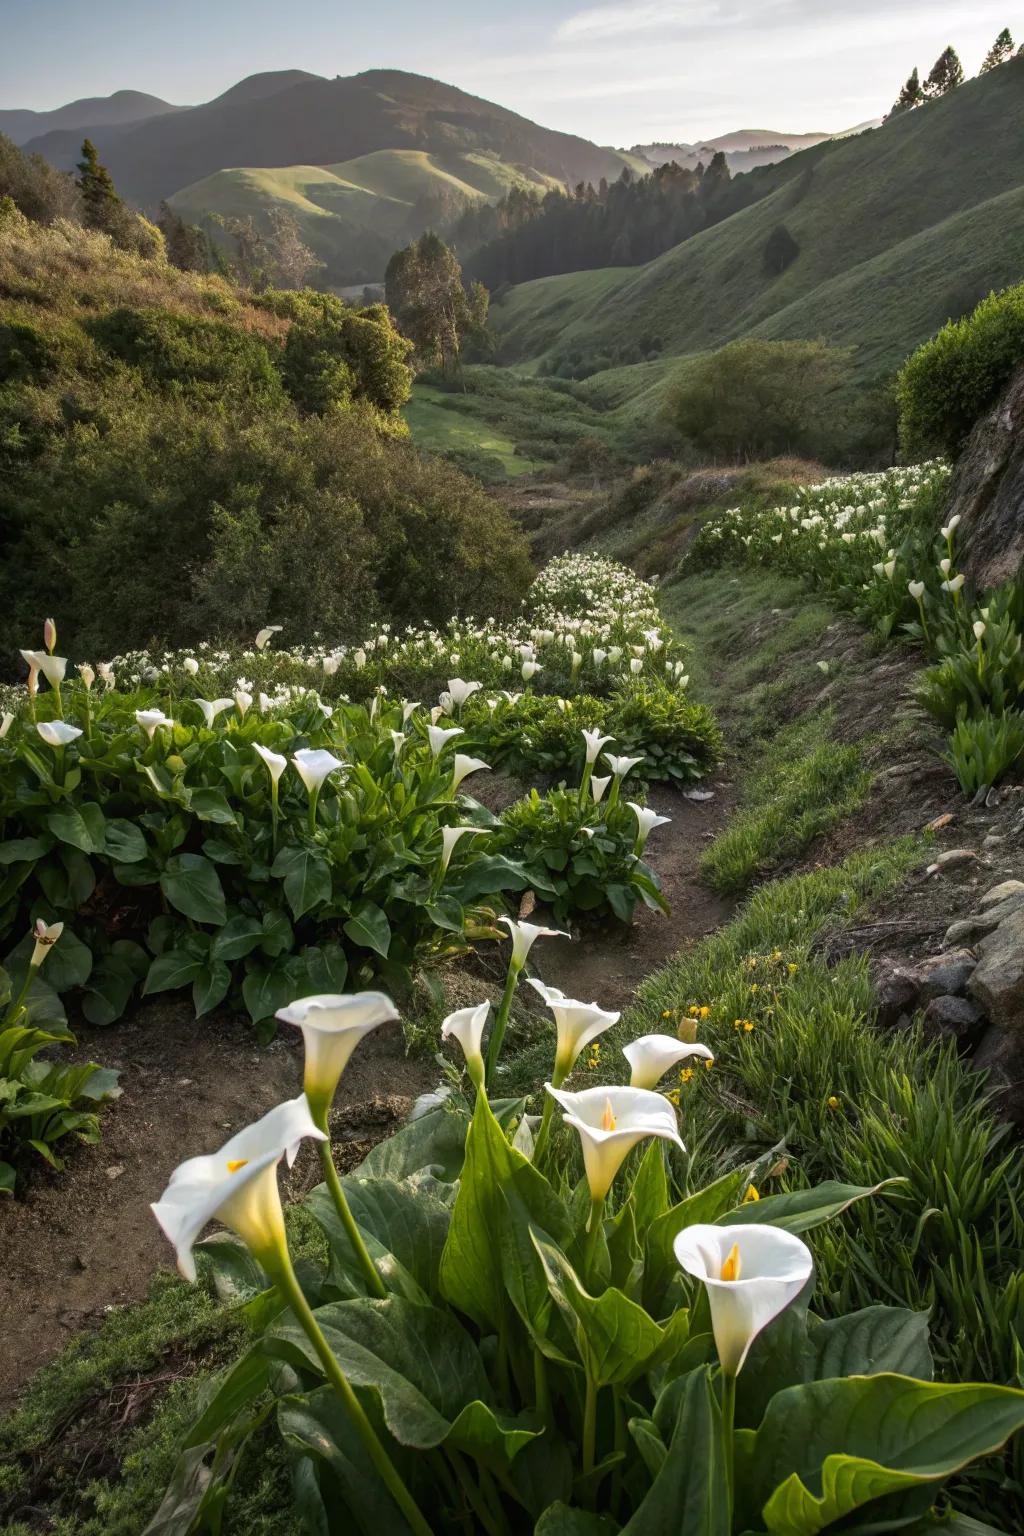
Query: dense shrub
x: 950, y: 381
x: 336, y: 356
x: 757, y: 399
x: 184, y: 355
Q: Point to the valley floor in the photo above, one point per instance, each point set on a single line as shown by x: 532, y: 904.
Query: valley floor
x: 92, y: 1441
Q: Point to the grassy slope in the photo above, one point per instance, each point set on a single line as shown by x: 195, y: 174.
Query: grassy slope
x: 438, y: 428
x: 898, y: 228
x: 376, y: 192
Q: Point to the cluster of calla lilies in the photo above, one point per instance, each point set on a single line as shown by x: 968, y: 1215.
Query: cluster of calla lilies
x: 751, y: 1272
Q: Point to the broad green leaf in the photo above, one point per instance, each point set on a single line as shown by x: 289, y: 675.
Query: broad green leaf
x: 424, y: 1367
x: 863, y: 1438
x: 212, y: 805
x: 306, y: 875
x: 560, y: 1520
x: 112, y: 981
x: 689, y: 1496
x: 233, y: 1390
x: 69, y: 962
x: 706, y: 1205
x: 175, y: 968
x: 125, y: 844
x: 471, y: 1268
x: 866, y: 1343
x: 436, y: 1141
x: 614, y: 1337
x: 191, y: 884
x: 210, y: 986
x: 318, y: 1431
x: 404, y: 1227
x: 369, y: 928
x: 20, y: 850
x: 278, y: 934
x: 239, y: 936
x: 265, y: 990
x: 7, y: 1177
x: 82, y: 826
x: 804, y: 1209
x: 326, y: 968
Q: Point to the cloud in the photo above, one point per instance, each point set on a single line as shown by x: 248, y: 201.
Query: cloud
x: 607, y: 21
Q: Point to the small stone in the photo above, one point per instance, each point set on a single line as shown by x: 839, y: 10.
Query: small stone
x: 953, y: 858
x: 947, y: 974
x: 940, y: 822
x: 114, y: 1171
x: 955, y: 1016
x: 991, y: 842
x: 1001, y: 892
x: 699, y: 795
x: 966, y: 930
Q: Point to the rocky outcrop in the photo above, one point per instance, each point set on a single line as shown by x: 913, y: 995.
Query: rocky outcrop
x: 988, y: 493
x: 973, y: 992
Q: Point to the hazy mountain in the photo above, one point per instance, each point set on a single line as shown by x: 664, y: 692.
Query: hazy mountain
x: 295, y: 119
x: 745, y: 148
x: 122, y: 108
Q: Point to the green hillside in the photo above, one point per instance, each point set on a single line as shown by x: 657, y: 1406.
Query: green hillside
x: 354, y: 213
x: 898, y: 229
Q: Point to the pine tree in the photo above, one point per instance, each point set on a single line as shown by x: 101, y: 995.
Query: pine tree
x: 1000, y: 51
x: 947, y: 73
x: 910, y: 97
x: 101, y: 206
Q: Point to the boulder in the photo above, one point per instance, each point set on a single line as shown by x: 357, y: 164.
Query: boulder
x: 956, y: 1016
x: 947, y: 975
x: 987, y: 491
x: 896, y: 991
x: 998, y: 980
x: 1003, y: 892
x: 1000, y: 1055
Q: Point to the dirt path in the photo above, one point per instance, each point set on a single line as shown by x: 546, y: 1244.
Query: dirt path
x: 78, y: 1242
x: 607, y: 967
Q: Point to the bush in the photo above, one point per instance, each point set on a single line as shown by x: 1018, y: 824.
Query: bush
x: 951, y: 381
x: 184, y: 355
x: 336, y: 356
x: 759, y: 399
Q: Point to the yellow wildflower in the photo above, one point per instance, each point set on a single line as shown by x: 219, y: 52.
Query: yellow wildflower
x: 751, y: 1195
x: 832, y: 1101
x: 686, y: 1074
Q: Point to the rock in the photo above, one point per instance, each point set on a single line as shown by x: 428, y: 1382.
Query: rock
x: 1000, y: 1055
x: 987, y: 490
x: 940, y: 822
x: 700, y: 795
x: 967, y: 930
x: 1000, y: 893
x: 114, y: 1171
x: 998, y: 981
x: 947, y: 974
x: 953, y: 858
x: 955, y: 1016
x: 896, y: 991
x: 991, y: 842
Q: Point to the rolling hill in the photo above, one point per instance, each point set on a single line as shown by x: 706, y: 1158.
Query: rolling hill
x: 78, y: 117
x: 354, y: 214
x: 897, y: 229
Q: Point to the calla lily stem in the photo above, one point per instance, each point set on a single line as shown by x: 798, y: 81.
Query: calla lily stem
x: 285, y: 1278
x: 348, y: 1221
x: 593, y: 1231
x: 500, y: 1023
x: 728, y: 1421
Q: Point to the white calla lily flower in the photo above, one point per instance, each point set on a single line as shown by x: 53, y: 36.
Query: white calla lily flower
x: 190, y: 665
x: 594, y: 741
x: 87, y: 674
x: 598, y: 787
x: 57, y: 733
x: 243, y: 702
x: 150, y: 719
x: 529, y: 669
x: 916, y: 590
x: 439, y: 736
x: 53, y: 668
x: 646, y: 821
x: 460, y: 691
x: 467, y: 1026
x: 332, y: 1025
x: 450, y: 837
x: 610, y: 1122
x: 651, y: 1056
x: 620, y: 766
x: 752, y: 1271
x: 314, y: 765
x: 463, y: 766
x: 45, y: 936
x: 265, y: 636
x: 577, y: 1024
x: 238, y: 1186
x: 275, y: 762
x: 6, y: 723
x: 524, y: 936
x: 211, y: 708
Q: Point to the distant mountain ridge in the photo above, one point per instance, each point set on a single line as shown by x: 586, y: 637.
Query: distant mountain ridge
x: 291, y: 118
x: 122, y: 108
x: 744, y: 148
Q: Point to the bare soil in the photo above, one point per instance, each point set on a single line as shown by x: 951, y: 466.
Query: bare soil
x: 78, y: 1242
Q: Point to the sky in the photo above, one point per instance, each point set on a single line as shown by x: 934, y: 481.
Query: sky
x: 616, y: 71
